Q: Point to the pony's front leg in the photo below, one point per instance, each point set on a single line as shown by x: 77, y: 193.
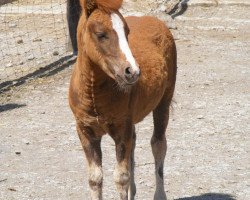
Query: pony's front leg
x: 132, y: 187
x: 123, y: 137
x: 92, y: 148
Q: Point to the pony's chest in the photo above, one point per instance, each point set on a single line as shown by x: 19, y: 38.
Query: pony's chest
x: 112, y: 108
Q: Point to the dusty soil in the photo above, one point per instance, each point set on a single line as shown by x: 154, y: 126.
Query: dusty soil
x: 208, y: 135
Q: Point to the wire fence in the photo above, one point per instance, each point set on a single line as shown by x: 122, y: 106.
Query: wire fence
x: 34, y: 37
x: 33, y: 34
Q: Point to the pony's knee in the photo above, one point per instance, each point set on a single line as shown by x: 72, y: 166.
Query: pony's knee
x: 121, y: 175
x: 159, y: 148
x: 158, y: 141
x: 95, y: 177
x: 158, y: 136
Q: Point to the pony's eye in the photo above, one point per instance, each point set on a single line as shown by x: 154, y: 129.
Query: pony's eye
x: 101, y: 35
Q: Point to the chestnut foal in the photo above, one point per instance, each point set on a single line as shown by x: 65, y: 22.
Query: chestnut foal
x: 125, y: 69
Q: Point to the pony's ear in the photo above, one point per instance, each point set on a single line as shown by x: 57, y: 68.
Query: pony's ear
x: 88, y: 6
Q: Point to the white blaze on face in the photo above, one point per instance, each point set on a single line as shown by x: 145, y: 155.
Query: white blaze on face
x: 118, y: 26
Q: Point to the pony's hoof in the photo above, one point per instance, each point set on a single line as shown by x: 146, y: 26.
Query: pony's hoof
x: 132, y: 192
x: 160, y: 196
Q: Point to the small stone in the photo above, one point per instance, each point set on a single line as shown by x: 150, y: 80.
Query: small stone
x: 21, y: 63
x: 200, y: 117
x: 31, y: 57
x: 18, y: 153
x: 12, y: 189
x: 13, y: 25
x: 55, y: 53
x: 162, y: 8
x: 37, y: 40
x: 10, y: 64
x: 20, y: 41
x: 172, y: 26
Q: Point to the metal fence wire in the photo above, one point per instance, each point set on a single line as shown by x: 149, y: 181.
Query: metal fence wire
x: 33, y: 34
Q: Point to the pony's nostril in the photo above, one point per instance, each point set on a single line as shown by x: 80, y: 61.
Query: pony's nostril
x: 131, y: 75
x: 128, y: 71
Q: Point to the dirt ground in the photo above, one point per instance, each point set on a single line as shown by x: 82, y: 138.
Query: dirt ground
x: 208, y: 135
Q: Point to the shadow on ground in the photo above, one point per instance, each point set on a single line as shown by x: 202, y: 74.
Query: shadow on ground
x: 179, y: 9
x: 210, y: 196
x: 10, y: 106
x: 2, y: 2
x: 46, y: 71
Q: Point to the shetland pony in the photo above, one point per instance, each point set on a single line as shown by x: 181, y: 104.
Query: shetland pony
x: 126, y: 68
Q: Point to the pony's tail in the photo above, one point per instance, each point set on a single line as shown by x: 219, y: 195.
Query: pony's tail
x: 73, y: 15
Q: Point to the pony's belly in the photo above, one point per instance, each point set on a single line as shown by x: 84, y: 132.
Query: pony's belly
x: 148, y: 98
x: 143, y: 111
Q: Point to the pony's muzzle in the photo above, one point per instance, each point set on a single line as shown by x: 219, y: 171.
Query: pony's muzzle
x: 131, y: 75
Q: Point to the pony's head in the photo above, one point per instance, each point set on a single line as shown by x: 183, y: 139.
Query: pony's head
x: 104, y: 39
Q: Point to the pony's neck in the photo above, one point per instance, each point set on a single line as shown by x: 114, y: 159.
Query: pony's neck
x: 96, y: 88
x: 91, y: 71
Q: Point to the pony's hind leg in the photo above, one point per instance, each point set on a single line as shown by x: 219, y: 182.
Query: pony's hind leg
x: 92, y: 148
x: 132, y: 187
x: 159, y: 144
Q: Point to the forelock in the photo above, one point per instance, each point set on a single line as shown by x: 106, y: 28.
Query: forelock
x: 109, y: 5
